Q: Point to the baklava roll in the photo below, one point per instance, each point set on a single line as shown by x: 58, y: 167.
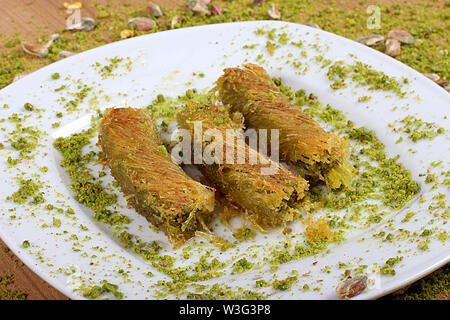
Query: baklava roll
x: 155, y: 186
x: 304, y: 145
x: 269, y: 198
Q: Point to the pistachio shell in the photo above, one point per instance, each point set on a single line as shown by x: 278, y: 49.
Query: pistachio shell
x: 371, y: 40
x: 216, y: 10
x: 52, y: 39
x: 351, y: 287
x: 35, y: 49
x: 65, y: 54
x: 392, y: 47
x: 85, y: 24
x: 432, y: 76
x: 154, y: 10
x: 401, y: 35
x: 312, y: 25
x: 273, y: 12
x: 198, y: 6
x: 141, y: 23
x: 175, y: 20
x: 444, y: 84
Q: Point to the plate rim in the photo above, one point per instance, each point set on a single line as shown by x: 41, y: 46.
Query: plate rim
x: 35, y: 267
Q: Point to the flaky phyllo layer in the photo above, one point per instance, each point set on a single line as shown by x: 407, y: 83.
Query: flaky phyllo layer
x: 268, y: 200
x: 155, y: 186
x: 304, y: 145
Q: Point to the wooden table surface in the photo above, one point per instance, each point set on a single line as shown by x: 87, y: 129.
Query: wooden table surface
x: 19, y: 18
x: 31, y: 20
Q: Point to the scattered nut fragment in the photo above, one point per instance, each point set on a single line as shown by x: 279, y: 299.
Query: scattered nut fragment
x: 273, y: 12
x: 37, y: 49
x: 74, y: 5
x: 392, y: 47
x: 65, y: 54
x: 371, y: 40
x: 141, y: 23
x: 444, y: 84
x: 216, y: 10
x: 52, y: 39
x: 198, y: 6
x: 432, y: 76
x: 85, y: 24
x: 313, y: 25
x: 351, y: 287
x: 175, y: 20
x: 154, y: 10
x: 401, y: 35
x: 127, y: 33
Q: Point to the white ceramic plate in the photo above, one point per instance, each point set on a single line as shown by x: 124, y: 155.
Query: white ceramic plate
x: 164, y: 63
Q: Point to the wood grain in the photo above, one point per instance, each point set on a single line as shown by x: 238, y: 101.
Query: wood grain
x: 44, y: 17
x: 25, y: 280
